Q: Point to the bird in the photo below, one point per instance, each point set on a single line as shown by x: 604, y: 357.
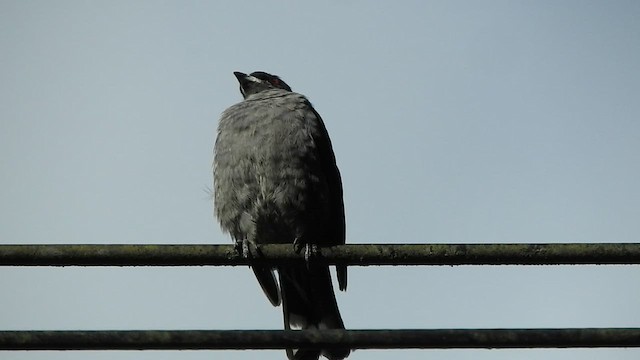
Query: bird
x: 276, y: 181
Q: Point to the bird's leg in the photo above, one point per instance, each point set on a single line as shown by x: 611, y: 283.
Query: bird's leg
x: 310, y: 250
x: 247, y: 248
x: 298, y: 244
x: 241, y: 247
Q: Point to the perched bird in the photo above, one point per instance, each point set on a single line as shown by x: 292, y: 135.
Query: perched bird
x: 276, y: 182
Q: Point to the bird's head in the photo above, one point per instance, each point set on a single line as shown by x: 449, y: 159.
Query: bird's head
x: 259, y: 81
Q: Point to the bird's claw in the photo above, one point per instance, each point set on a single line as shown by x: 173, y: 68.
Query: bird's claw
x: 310, y: 250
x: 298, y: 244
x: 247, y: 248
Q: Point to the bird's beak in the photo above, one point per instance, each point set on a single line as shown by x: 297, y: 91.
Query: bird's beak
x: 240, y: 76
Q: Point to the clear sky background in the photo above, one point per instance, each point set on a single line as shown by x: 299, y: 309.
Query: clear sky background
x: 452, y: 122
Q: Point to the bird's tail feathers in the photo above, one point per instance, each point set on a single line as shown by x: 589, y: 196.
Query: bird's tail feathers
x: 308, y: 302
x: 267, y: 279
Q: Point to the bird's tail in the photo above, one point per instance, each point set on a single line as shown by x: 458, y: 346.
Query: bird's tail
x: 308, y: 302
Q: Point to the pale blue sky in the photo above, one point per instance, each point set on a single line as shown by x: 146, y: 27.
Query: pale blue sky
x: 452, y: 121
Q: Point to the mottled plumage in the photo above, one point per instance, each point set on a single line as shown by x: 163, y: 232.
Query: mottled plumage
x: 276, y: 181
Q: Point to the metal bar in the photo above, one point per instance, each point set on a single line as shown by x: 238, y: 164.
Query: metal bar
x: 353, y: 339
x: 359, y: 255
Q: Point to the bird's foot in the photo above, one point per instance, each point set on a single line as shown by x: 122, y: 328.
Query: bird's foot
x: 310, y: 250
x: 298, y: 244
x: 247, y: 248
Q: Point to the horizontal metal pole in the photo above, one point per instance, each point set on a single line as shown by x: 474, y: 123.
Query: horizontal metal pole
x: 353, y: 339
x: 360, y: 254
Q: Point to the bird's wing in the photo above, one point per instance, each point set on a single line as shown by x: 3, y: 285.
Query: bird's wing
x: 329, y: 167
